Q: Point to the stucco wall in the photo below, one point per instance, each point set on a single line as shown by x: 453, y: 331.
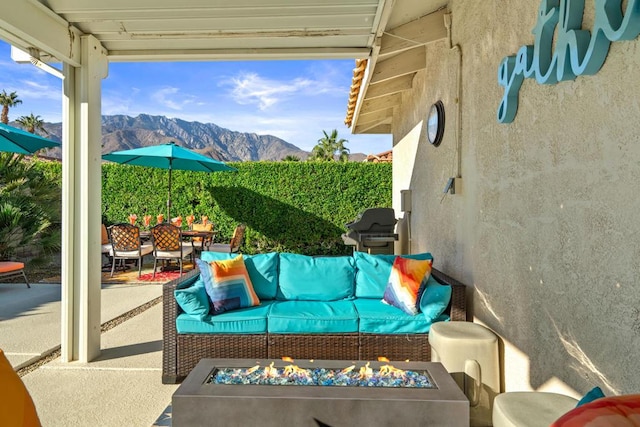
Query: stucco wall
x: 546, y: 226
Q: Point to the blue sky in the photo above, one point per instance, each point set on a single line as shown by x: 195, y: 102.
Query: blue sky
x: 293, y: 100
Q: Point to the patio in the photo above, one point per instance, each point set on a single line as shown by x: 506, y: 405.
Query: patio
x: 121, y: 387
x: 539, y: 221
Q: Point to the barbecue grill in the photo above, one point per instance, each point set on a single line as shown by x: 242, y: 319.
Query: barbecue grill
x: 372, y: 231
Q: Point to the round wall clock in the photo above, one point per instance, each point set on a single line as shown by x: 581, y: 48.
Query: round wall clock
x: 435, y: 123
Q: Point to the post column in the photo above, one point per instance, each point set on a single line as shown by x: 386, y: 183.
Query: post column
x: 81, y: 203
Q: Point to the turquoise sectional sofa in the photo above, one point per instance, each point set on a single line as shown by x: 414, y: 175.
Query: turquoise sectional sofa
x: 310, y: 308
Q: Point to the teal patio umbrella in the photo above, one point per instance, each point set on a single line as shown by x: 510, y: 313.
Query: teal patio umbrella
x: 168, y: 156
x: 14, y: 140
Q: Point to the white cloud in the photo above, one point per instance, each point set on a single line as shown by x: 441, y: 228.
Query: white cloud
x: 250, y: 88
x: 170, y: 97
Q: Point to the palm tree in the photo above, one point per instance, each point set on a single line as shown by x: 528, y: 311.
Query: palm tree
x: 328, y: 146
x: 8, y: 100
x: 30, y: 207
x: 32, y: 123
x: 290, y: 158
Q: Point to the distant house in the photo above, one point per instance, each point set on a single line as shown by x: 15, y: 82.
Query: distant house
x: 386, y: 157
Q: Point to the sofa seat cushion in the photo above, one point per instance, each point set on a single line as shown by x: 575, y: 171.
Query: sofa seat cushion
x: 377, y: 317
x: 262, y: 269
x: 250, y: 320
x: 372, y: 272
x: 307, y: 278
x: 312, y: 317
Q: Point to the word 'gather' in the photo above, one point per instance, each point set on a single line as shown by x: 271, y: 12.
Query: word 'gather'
x: 577, y: 51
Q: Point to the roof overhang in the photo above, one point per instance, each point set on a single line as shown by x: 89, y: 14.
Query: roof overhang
x: 188, y: 30
x: 376, y: 91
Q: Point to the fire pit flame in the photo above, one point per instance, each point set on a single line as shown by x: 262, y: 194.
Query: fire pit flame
x: 348, y: 369
x: 385, y: 376
x: 366, y: 372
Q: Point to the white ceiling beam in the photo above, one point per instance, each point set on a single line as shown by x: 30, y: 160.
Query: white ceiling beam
x: 389, y: 87
x: 29, y: 24
x: 377, y: 104
x: 376, y: 116
x: 419, y: 32
x: 176, y: 10
x: 365, y: 127
x: 235, y: 54
x: 379, y: 129
x: 408, y: 62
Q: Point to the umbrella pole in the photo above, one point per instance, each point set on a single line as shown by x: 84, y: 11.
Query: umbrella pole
x: 169, y: 196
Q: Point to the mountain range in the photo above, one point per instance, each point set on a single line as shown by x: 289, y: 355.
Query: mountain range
x: 121, y: 132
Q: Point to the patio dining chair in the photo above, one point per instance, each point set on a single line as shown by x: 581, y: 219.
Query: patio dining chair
x: 11, y: 269
x: 125, y: 244
x: 234, y: 245
x: 202, y: 243
x: 168, y: 245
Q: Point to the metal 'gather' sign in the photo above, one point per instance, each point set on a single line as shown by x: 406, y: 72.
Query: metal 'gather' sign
x: 576, y: 51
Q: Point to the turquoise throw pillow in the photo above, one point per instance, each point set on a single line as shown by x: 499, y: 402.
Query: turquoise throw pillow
x: 434, y: 299
x: 262, y: 269
x: 373, y: 271
x: 307, y: 278
x: 593, y: 394
x: 193, y: 300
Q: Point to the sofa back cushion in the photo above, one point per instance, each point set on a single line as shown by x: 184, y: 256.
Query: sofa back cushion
x: 372, y: 272
x: 193, y: 300
x: 306, y: 278
x: 262, y: 269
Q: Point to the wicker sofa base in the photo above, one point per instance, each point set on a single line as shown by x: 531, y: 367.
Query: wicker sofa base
x: 194, y: 347
x: 181, y: 352
x: 318, y: 346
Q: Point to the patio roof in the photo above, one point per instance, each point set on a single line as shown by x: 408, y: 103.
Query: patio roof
x: 395, y: 59
x: 85, y: 35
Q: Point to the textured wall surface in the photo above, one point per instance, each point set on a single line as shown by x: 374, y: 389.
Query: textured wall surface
x: 546, y: 227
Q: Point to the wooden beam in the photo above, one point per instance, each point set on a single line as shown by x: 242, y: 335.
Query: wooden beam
x: 380, y: 129
x: 407, y: 62
x: 389, y: 87
x: 419, y: 32
x: 375, y: 117
x: 29, y: 24
x: 364, y: 127
x: 369, y: 106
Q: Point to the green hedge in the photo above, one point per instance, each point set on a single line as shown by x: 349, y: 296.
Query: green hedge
x: 297, y: 207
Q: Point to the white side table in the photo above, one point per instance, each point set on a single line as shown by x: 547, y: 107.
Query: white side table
x: 469, y: 352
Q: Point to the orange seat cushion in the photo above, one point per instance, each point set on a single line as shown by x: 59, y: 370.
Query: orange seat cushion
x: 8, y: 266
x: 201, y: 227
x: 16, y: 405
x: 105, y: 235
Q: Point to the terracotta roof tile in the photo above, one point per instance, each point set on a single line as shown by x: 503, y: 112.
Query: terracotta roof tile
x: 356, y: 82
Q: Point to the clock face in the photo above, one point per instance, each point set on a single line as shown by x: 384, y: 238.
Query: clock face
x: 435, y: 123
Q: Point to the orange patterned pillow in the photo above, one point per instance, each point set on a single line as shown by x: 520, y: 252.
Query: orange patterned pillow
x: 16, y: 405
x: 616, y: 411
x: 404, y: 283
x: 228, y: 284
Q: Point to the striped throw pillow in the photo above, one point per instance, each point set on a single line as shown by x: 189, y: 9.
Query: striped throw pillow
x: 228, y: 284
x: 404, y: 283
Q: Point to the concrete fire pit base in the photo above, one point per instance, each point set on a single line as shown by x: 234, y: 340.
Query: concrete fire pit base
x: 199, y: 403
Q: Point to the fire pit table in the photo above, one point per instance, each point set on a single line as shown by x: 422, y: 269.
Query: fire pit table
x: 344, y: 393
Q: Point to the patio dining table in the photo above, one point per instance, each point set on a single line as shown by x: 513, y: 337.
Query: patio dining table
x: 189, y: 234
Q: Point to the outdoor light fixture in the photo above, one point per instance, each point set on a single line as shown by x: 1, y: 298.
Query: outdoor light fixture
x: 451, y: 186
x: 33, y: 57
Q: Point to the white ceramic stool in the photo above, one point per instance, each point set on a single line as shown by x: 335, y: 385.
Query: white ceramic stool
x: 530, y: 408
x: 469, y: 352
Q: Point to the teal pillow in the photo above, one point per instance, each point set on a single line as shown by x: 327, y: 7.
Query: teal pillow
x: 373, y: 271
x: 593, y: 394
x: 306, y: 278
x: 262, y: 269
x: 434, y: 299
x: 193, y: 300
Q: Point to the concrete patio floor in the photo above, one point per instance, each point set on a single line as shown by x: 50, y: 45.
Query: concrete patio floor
x: 122, y: 387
